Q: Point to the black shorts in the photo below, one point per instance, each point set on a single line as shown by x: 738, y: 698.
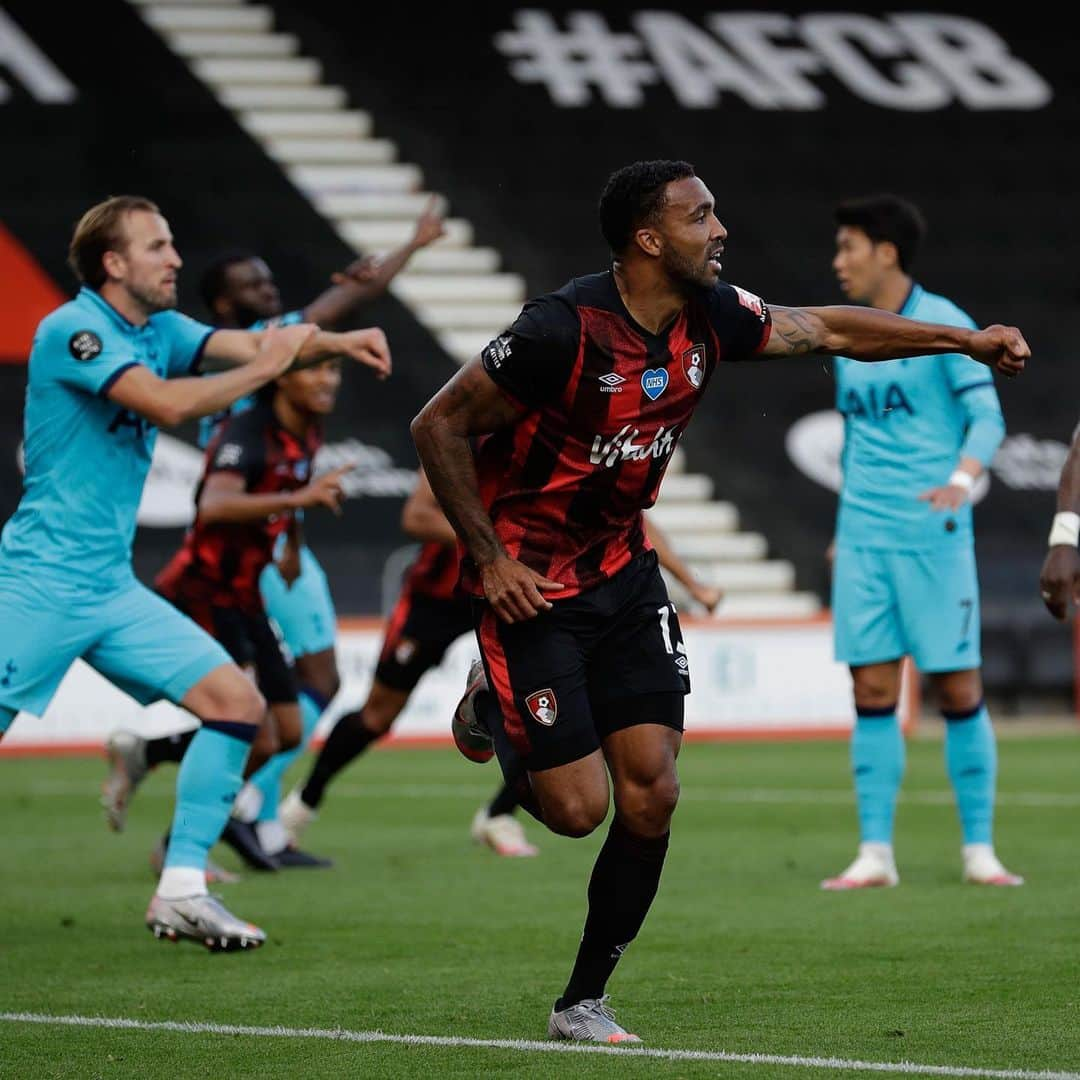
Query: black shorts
x: 607, y: 659
x: 421, y: 629
x: 249, y: 639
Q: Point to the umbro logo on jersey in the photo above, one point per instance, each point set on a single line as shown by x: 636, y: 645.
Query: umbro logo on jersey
x: 84, y: 345
x: 612, y: 383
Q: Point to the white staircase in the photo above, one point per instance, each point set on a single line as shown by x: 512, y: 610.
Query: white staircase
x: 705, y: 533
x: 331, y: 154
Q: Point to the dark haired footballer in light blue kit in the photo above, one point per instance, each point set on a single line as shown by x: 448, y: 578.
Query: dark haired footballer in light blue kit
x: 917, y: 434
x: 105, y: 370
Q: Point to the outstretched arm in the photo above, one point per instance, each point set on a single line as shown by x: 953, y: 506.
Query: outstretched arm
x: 870, y: 334
x: 706, y: 595
x: 367, y: 346
x: 369, y: 276
x: 1059, y: 581
x: 169, y: 402
x: 225, y: 498
x: 471, y: 404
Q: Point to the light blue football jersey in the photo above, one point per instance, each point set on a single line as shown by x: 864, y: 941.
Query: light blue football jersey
x: 906, y: 425
x: 86, y: 458
x: 208, y: 424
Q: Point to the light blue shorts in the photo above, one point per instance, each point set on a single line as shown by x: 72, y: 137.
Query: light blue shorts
x: 305, y: 613
x: 130, y: 635
x: 889, y: 604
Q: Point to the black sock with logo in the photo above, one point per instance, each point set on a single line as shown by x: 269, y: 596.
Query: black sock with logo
x: 621, y: 890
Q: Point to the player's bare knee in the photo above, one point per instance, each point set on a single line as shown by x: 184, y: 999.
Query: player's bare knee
x: 874, y: 694
x: 319, y: 672
x: 288, y: 737
x: 575, y: 818
x: 647, y: 808
x: 960, y: 696
x: 379, y: 720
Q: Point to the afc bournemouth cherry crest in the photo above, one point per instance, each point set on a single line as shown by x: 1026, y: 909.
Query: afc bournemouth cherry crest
x: 693, y: 362
x: 543, y: 707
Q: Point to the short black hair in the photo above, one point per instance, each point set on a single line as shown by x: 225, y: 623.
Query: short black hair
x: 634, y: 196
x: 886, y: 217
x: 212, y: 282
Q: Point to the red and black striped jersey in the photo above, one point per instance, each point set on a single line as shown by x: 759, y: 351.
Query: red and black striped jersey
x: 434, y: 573
x: 220, y: 563
x: 603, y: 405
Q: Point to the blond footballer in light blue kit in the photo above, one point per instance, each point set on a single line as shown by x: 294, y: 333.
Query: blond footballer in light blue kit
x: 917, y: 434
x: 104, y: 371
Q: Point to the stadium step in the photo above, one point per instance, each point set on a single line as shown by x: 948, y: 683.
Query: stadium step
x: 463, y: 345
x: 206, y: 45
x: 219, y: 18
x: 340, y: 151
x: 385, y: 235
x: 354, y: 179
x: 255, y: 96
x: 467, y: 288
x: 775, y: 575
x: 683, y: 519
x: 467, y: 316
x: 720, y: 546
x: 307, y: 124
x: 227, y: 71
x: 373, y: 205
x: 470, y: 260
x: 689, y: 487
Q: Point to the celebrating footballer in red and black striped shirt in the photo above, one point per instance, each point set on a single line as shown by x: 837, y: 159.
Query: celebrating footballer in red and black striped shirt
x: 583, y: 401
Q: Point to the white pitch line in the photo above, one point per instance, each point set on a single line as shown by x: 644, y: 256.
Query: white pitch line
x: 908, y: 1068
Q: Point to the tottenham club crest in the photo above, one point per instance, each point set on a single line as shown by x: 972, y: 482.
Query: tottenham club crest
x: 84, y: 345
x: 693, y: 363
x: 543, y: 707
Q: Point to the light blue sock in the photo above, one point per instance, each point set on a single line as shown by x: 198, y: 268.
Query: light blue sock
x: 208, y: 781
x: 971, y: 761
x: 268, y: 778
x: 7, y: 718
x: 877, y: 762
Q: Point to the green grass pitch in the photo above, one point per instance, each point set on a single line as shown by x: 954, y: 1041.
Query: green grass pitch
x: 417, y: 931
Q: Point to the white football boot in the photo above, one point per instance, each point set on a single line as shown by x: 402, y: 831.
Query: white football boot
x: 874, y: 867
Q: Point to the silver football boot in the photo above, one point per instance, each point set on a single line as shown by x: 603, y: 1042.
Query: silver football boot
x: 470, y: 736
x: 589, y: 1021
x: 126, y: 752
x: 204, y: 919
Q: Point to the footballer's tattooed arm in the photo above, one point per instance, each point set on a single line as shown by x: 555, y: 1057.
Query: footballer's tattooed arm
x: 471, y: 404
x: 864, y: 333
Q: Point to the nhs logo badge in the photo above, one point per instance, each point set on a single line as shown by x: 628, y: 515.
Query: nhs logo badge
x: 654, y: 382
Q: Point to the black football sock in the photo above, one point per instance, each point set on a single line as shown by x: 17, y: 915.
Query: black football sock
x: 168, y: 748
x: 621, y: 890
x: 505, y: 802
x: 348, y: 739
